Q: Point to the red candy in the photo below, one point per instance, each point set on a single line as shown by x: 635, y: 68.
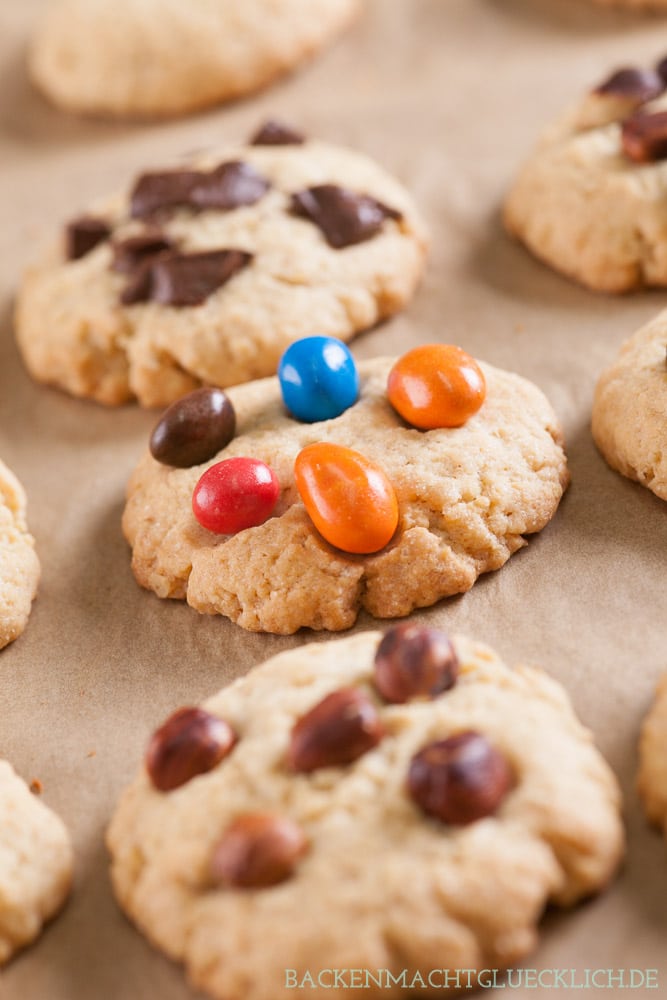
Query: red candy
x: 235, y: 494
x: 436, y: 385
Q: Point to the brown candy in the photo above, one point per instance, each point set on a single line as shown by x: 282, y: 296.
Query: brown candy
x: 644, y: 137
x: 459, y: 780
x: 414, y: 662
x: 275, y: 133
x: 179, y: 279
x: 344, y: 216
x: 194, y: 429
x: 83, y: 234
x: 190, y: 742
x: 257, y: 850
x: 338, y: 730
x: 230, y: 185
x: 638, y: 85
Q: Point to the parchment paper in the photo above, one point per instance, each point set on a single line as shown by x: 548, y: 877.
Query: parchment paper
x: 449, y: 95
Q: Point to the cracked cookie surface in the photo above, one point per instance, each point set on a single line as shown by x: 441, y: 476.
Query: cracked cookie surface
x: 381, y: 886
x: 19, y: 565
x: 35, y: 863
x: 170, y: 57
x: 466, y: 498
x: 630, y: 408
x: 584, y: 208
x: 74, y: 332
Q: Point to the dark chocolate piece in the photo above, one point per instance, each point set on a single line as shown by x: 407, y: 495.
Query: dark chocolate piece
x: 130, y: 253
x: 229, y: 186
x: 661, y: 68
x: 274, y: 133
x: 154, y: 192
x: 344, y: 216
x: 644, y: 137
x: 636, y: 84
x: 83, y: 234
x: 179, y: 279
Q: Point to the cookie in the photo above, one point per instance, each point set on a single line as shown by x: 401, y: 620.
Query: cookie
x: 167, y: 57
x: 652, y: 777
x: 461, y: 499
x: 19, y: 565
x: 406, y: 805
x: 630, y: 408
x: 591, y: 199
x: 205, y: 274
x: 35, y: 863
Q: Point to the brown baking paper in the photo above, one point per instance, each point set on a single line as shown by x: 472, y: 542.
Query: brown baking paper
x: 449, y: 95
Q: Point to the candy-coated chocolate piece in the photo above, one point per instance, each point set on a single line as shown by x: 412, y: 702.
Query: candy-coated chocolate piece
x: 235, y: 494
x: 318, y: 378
x: 348, y: 497
x: 436, y: 385
x: 194, y: 429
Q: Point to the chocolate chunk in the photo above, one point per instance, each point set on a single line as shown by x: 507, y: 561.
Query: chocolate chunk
x: 460, y: 779
x: 343, y: 216
x: 194, y: 428
x: 154, y: 192
x: 130, y: 253
x: 636, y: 84
x: 83, y: 234
x: 229, y: 186
x: 179, y: 279
x: 274, y: 133
x: 644, y: 137
x: 661, y: 68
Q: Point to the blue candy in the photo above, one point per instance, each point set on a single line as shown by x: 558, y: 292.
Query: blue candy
x: 318, y: 379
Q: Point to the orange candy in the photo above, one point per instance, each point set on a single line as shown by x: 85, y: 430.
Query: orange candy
x: 437, y: 385
x: 349, y: 498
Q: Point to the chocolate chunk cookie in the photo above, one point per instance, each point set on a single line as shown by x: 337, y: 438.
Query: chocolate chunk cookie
x: 206, y: 273
x: 591, y: 200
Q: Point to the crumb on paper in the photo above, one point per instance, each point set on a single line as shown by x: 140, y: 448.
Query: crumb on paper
x: 36, y: 786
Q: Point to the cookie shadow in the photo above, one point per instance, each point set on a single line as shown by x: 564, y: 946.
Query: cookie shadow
x: 503, y: 264
x: 572, y: 17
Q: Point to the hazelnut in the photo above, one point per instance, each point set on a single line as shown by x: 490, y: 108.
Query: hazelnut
x: 257, y: 850
x: 190, y: 742
x: 340, y: 728
x: 414, y: 662
x: 460, y: 779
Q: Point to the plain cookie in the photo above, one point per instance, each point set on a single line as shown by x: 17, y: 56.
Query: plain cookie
x: 169, y: 57
x: 35, y: 863
x: 467, y: 496
x: 19, y: 566
x: 630, y: 408
x: 297, y: 828
x: 652, y: 778
x: 591, y: 200
x: 207, y: 273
